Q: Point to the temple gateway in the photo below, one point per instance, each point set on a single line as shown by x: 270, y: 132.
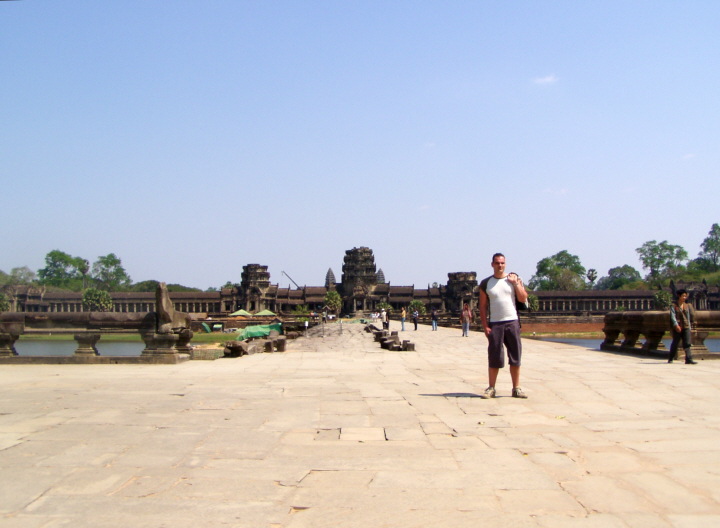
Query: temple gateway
x: 362, y: 288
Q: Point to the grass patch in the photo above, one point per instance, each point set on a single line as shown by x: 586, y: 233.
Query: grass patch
x: 213, y: 337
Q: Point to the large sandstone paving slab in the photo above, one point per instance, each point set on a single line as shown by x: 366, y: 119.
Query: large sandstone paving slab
x: 338, y: 432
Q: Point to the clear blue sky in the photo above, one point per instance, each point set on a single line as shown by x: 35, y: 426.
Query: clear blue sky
x: 193, y: 137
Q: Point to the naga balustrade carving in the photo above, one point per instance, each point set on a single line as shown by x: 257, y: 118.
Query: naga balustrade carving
x: 653, y: 326
x: 166, y: 332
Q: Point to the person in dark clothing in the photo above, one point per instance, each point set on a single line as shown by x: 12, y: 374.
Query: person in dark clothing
x: 682, y: 317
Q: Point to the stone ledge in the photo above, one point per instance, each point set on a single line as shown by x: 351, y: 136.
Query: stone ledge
x: 159, y: 359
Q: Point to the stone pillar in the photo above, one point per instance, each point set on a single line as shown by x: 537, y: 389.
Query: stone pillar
x: 653, y: 339
x: 159, y: 344
x: 7, y: 344
x: 698, y: 342
x: 183, y: 344
x: 86, y: 344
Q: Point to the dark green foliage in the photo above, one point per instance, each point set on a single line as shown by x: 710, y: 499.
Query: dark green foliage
x: 662, y: 300
x: 301, y: 310
x: 333, y: 301
x: 4, y: 303
x: 62, y: 270
x: 618, y: 277
x: 662, y: 260
x: 109, y: 274
x: 95, y: 300
x: 145, y: 286
x: 533, y: 302
x: 417, y: 305
x: 561, y: 271
x: 710, y: 254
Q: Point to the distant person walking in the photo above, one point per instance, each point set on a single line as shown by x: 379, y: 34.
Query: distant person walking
x: 415, y: 315
x: 386, y: 318
x: 466, y: 318
x: 403, y: 315
x: 682, y: 317
x: 434, y: 319
x: 499, y: 318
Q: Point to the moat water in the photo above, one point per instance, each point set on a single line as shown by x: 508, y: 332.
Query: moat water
x: 28, y: 347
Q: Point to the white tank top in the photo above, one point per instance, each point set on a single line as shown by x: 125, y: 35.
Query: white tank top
x: 501, y: 295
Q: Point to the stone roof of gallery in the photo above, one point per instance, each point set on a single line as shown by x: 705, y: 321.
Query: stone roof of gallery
x: 615, y: 294
x: 315, y: 290
x: 381, y: 289
x: 399, y: 290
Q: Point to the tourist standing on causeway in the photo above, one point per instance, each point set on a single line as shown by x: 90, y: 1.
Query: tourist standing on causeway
x: 682, y: 317
x: 403, y: 315
x: 498, y: 314
x: 466, y: 317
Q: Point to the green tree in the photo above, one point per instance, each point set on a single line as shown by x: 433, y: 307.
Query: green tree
x: 61, y: 270
x: 109, y: 274
x: 618, y: 277
x: 4, y: 303
x: 94, y: 300
x: 83, y: 267
x: 10, y: 284
x: 662, y: 300
x: 711, y: 248
x: 699, y: 267
x: 533, y: 302
x: 662, y: 260
x: 301, y: 310
x: 562, y: 271
x: 333, y: 301
x: 417, y: 305
x: 592, y: 276
x: 181, y: 288
x: 384, y: 306
x: 145, y: 286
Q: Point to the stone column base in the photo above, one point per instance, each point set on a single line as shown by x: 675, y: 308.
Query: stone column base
x: 159, y: 344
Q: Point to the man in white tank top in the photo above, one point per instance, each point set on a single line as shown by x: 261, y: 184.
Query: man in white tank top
x: 498, y: 294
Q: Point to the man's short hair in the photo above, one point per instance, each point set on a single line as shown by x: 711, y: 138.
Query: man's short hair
x: 497, y: 255
x: 680, y: 292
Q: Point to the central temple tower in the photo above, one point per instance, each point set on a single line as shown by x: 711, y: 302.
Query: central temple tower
x: 359, y: 276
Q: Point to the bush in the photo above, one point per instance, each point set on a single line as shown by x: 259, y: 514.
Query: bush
x: 94, y: 300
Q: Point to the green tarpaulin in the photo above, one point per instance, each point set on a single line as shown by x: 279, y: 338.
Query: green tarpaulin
x: 258, y: 331
x: 242, y: 312
x: 264, y: 313
x: 206, y: 327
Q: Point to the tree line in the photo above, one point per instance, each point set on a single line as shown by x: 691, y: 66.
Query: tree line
x: 662, y: 261
x: 63, y: 271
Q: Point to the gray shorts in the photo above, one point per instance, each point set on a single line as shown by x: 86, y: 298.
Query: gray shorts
x: 504, y: 333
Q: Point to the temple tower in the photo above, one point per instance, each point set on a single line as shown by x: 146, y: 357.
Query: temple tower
x: 254, y: 285
x: 359, y: 275
x: 460, y: 288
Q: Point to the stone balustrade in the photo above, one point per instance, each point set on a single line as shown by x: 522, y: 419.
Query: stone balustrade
x: 642, y: 333
x: 166, y: 333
